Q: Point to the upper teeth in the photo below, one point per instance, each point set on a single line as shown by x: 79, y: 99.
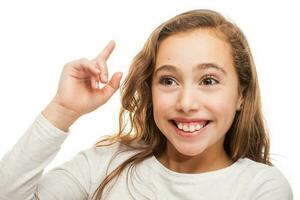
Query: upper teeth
x: 191, y: 127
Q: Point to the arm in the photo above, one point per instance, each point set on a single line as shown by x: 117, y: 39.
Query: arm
x: 21, y: 168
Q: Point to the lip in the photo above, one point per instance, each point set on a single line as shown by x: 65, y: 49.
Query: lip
x: 190, y: 135
x: 189, y: 120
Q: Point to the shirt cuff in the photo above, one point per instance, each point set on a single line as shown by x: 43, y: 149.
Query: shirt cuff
x: 50, y: 128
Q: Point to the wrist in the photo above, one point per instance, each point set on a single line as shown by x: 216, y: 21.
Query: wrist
x: 60, y: 116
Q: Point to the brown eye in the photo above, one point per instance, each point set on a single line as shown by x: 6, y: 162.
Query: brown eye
x: 167, y: 81
x: 209, y: 81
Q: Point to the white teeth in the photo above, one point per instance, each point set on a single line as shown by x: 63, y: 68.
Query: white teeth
x: 192, y: 128
x: 189, y: 127
x: 179, y: 125
x: 185, y: 128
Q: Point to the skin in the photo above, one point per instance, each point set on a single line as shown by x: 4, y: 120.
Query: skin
x: 78, y: 81
x: 207, y: 94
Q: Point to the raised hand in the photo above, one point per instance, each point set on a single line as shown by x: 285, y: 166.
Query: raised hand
x: 78, y: 92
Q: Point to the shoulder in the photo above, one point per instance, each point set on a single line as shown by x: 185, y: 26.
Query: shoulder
x: 260, y: 171
x: 267, y: 182
x: 105, y: 153
x: 100, y: 158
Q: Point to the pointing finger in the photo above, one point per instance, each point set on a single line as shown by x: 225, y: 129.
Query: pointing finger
x: 107, y: 50
x: 100, y: 60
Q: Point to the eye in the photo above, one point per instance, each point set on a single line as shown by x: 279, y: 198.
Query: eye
x: 209, y: 80
x: 166, y: 81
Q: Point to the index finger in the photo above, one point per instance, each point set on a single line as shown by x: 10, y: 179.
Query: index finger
x: 107, y: 50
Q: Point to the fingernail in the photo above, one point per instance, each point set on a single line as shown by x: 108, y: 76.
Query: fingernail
x: 104, y: 79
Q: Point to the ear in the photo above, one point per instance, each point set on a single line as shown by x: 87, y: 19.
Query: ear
x: 240, y: 103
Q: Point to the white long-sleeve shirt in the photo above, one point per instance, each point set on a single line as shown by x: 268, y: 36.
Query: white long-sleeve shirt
x: 21, y: 174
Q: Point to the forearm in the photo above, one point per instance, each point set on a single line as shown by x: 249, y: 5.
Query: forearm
x: 59, y: 116
x: 22, y: 167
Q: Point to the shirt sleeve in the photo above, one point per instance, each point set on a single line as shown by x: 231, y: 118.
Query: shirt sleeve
x: 22, y: 167
x: 271, y: 184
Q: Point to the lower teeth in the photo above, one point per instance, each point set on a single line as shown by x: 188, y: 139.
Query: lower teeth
x: 190, y: 131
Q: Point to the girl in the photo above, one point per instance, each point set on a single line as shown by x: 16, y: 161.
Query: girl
x: 197, y: 131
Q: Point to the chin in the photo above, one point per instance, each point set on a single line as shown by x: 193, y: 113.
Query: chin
x: 188, y: 149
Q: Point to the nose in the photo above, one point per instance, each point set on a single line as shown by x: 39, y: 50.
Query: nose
x: 187, y: 101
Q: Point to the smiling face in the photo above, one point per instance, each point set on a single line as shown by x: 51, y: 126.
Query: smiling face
x: 194, y: 84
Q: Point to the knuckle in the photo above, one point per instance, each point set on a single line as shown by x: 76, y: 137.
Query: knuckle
x: 83, y: 60
x: 86, y: 63
x: 102, y: 65
x: 105, y: 73
x: 99, y: 62
x: 69, y: 64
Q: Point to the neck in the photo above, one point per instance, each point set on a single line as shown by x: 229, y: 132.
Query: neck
x: 210, y: 160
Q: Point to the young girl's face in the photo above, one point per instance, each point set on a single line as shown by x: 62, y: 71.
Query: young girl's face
x: 194, y: 84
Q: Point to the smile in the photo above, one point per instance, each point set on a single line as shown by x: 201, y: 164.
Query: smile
x: 189, y: 129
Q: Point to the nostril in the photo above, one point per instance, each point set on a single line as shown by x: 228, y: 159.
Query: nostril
x: 187, y: 105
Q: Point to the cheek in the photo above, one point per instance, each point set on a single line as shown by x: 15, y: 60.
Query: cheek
x: 159, y: 106
x: 223, y: 106
x: 163, y: 105
x: 162, y: 101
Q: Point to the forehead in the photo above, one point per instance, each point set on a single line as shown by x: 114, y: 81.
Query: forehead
x: 189, y: 49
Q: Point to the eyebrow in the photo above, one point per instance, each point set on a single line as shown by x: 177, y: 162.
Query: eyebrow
x: 199, y: 67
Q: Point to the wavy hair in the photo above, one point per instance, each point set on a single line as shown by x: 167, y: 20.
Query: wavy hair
x: 247, y: 136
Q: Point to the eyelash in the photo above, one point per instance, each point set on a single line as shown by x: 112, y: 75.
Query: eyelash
x: 207, y: 77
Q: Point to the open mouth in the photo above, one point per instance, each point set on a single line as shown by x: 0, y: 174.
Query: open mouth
x: 189, y: 128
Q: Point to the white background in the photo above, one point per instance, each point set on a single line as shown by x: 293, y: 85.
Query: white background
x: 38, y: 37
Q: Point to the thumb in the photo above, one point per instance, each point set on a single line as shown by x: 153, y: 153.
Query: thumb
x: 111, y: 87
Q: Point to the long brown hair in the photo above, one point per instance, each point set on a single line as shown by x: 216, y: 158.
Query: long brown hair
x: 247, y: 136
